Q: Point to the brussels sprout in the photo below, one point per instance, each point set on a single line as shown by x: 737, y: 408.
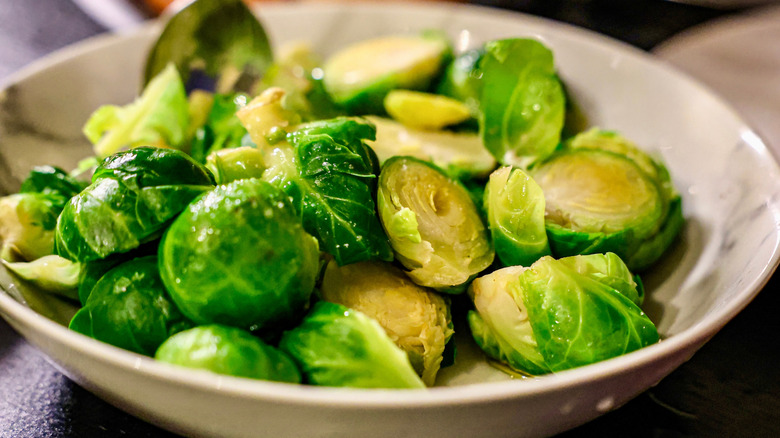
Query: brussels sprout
x: 558, y: 314
x: 48, y: 180
x: 459, y: 151
x: 462, y: 79
x: 427, y: 111
x: 239, y: 256
x: 231, y: 164
x: 27, y: 222
x: 266, y: 119
x: 515, y: 206
x: 222, y: 129
x: 522, y: 102
x: 359, y: 76
x: 159, y: 117
x: 130, y: 308
x: 330, y: 175
x: 51, y: 273
x: 228, y: 350
x: 416, y: 319
x: 599, y: 201
x: 337, y: 346
x: 433, y: 225
x: 133, y: 196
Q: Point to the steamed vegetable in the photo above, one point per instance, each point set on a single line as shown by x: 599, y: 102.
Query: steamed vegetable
x: 130, y: 308
x: 133, y: 196
x: 238, y: 256
x: 559, y: 314
x: 433, y: 225
x: 359, y: 76
x: 416, y: 319
x: 227, y: 350
x: 427, y: 111
x: 51, y: 273
x: 336, y: 346
x: 330, y: 175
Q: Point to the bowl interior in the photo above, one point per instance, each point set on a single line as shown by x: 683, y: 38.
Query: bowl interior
x: 728, y: 180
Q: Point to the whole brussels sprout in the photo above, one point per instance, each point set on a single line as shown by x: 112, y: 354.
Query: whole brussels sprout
x: 130, y: 308
x: 228, y: 350
x: 134, y: 194
x: 416, y: 319
x: 239, y: 256
x: 337, y: 346
x: 559, y: 314
x: 433, y: 225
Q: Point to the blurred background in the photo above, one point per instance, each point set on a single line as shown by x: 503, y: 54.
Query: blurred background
x: 731, y: 388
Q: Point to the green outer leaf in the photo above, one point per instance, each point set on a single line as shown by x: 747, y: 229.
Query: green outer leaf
x: 515, y: 206
x: 238, y: 256
x: 223, y: 129
x: 329, y: 175
x: 130, y: 308
x: 160, y: 116
x: 51, y: 273
x: 49, y: 179
x: 150, y: 166
x: 578, y: 320
x: 218, y: 35
x: 652, y: 248
x: 228, y: 350
x: 462, y: 78
x: 609, y: 269
x: 337, y: 346
x: 522, y: 102
x: 455, y: 245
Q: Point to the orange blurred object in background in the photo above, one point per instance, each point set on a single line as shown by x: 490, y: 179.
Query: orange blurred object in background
x: 157, y: 6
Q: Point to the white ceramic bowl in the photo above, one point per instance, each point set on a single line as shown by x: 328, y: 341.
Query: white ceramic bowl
x: 729, y: 248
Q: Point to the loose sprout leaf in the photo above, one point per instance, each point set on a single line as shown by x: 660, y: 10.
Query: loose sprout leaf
x: 462, y: 79
x: 230, y: 351
x: 27, y: 222
x: 337, y: 346
x: 522, y: 102
x: 51, y: 273
x: 159, y: 117
x: 49, y: 179
x: 222, y: 128
x: 220, y: 37
x: 329, y: 174
x: 130, y: 308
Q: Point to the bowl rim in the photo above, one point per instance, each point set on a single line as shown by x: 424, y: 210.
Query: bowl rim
x: 689, y: 339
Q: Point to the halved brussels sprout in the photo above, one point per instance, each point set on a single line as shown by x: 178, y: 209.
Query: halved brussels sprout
x: 608, y: 196
x: 51, y: 273
x: 359, y: 76
x: 338, y: 346
x: 460, y: 152
x: 228, y: 350
x: 515, y: 207
x: 238, y: 256
x: 238, y: 163
x: 27, y: 222
x: 427, y: 111
x: 416, y: 319
x: 559, y: 314
x: 133, y: 196
x: 130, y: 308
x: 433, y: 225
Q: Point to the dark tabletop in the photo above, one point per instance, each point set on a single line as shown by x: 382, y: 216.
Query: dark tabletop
x: 730, y: 388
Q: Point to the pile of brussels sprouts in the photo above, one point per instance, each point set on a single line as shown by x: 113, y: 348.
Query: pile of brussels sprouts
x: 322, y: 228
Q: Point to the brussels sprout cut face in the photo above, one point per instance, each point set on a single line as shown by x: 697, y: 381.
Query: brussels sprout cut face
x: 416, y: 319
x: 594, y: 191
x: 239, y: 256
x: 453, y: 242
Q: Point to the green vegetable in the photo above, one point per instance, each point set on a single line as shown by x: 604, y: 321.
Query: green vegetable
x: 51, y: 273
x: 462, y: 79
x: 416, y: 319
x: 359, y: 76
x: 221, y: 37
x: 159, y: 117
x: 222, y: 128
x: 50, y: 180
x: 515, y: 206
x: 330, y: 175
x: 337, y: 346
x: 461, y: 152
x: 130, y: 308
x: 238, y: 256
x: 27, y: 222
x: 231, y: 164
x: 133, y: 196
x: 558, y: 314
x: 453, y: 244
x: 425, y: 111
x: 522, y: 102
x: 228, y: 350
x: 266, y: 119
